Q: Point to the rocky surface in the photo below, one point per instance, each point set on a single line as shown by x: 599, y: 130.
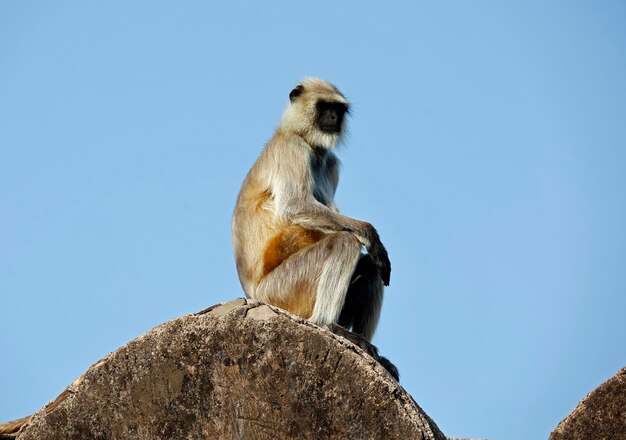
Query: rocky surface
x: 236, y: 371
x: 600, y: 415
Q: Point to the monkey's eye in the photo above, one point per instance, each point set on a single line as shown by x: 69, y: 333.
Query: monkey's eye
x: 337, y: 108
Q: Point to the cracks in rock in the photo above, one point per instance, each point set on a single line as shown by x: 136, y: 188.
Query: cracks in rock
x: 337, y: 363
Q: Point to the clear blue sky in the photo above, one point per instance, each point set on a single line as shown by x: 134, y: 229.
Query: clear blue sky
x: 488, y: 146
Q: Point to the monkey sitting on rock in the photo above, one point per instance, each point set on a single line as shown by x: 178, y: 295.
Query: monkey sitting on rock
x: 292, y: 246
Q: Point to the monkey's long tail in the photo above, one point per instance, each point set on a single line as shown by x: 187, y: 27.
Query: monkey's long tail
x: 8, y: 430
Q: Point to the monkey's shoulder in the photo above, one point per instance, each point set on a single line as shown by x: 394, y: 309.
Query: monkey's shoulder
x: 288, y: 144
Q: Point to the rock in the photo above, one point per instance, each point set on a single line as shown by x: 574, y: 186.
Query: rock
x: 600, y: 415
x: 235, y: 371
x: 8, y: 430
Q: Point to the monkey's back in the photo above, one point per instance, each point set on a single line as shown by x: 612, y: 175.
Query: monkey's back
x: 254, y: 223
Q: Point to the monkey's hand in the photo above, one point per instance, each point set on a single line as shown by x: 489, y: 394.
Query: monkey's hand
x: 377, y: 251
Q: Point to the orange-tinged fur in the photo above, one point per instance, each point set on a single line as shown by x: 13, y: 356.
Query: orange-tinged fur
x: 286, y: 243
x: 302, y: 300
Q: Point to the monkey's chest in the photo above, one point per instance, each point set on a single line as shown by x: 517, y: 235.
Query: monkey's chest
x: 323, y: 184
x: 323, y: 189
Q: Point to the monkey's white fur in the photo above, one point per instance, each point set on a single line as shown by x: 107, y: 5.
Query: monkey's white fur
x: 292, y: 247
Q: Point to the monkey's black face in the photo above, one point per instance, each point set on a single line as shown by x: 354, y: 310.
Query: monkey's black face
x: 330, y: 116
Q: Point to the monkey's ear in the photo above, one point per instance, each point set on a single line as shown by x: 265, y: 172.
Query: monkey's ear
x: 296, y: 92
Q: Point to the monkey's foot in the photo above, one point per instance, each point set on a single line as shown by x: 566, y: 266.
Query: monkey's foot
x: 369, y: 348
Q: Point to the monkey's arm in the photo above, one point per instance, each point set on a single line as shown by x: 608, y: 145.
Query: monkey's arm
x: 313, y: 214
x: 292, y: 189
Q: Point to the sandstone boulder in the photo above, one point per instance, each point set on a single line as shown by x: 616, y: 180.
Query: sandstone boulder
x: 236, y: 371
x: 599, y: 416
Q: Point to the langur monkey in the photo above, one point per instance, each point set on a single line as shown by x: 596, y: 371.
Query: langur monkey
x: 292, y: 246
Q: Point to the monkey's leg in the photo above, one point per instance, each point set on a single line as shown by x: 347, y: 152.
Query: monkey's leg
x: 363, y: 300
x: 314, y: 281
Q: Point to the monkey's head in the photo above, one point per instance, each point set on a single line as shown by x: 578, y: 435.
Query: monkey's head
x: 316, y: 111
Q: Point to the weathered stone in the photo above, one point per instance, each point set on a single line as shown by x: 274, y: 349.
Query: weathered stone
x: 9, y: 428
x: 237, y: 371
x: 600, y: 415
